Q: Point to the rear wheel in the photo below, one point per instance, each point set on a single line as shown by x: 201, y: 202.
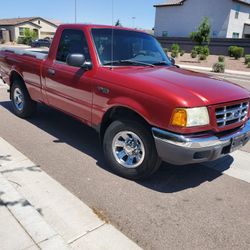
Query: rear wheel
x: 130, y: 150
x: 23, y: 105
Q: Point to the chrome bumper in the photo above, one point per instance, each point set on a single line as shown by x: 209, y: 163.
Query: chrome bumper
x: 186, y: 149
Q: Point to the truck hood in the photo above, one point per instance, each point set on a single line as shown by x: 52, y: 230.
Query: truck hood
x: 190, y: 87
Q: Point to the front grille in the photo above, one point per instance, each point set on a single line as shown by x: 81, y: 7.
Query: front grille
x: 228, y: 115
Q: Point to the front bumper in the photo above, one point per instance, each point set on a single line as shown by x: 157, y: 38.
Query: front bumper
x: 186, y: 149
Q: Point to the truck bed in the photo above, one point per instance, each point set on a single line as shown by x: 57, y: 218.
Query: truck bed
x: 35, y: 53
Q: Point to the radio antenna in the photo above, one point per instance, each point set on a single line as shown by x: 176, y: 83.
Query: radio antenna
x: 75, y: 11
x: 112, y: 36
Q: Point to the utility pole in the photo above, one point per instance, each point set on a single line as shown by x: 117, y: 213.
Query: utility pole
x: 75, y: 11
x: 133, y: 20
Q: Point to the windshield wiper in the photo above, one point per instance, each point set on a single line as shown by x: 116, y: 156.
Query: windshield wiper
x: 160, y: 63
x: 130, y: 62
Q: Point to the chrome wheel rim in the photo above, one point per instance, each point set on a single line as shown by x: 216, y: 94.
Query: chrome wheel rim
x: 128, y: 149
x: 18, y: 99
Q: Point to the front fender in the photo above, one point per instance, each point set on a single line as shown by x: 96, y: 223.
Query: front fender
x: 129, y: 103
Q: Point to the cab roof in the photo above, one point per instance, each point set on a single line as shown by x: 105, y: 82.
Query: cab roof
x: 97, y: 26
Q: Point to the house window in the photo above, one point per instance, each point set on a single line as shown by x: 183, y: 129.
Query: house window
x: 39, y: 21
x: 164, y: 33
x: 249, y: 16
x: 237, y: 11
x: 22, y: 31
x: 236, y: 35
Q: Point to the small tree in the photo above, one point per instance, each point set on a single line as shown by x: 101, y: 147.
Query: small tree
x: 118, y: 23
x: 29, y: 35
x: 202, y: 35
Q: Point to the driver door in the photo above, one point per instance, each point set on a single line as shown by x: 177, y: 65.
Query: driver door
x: 69, y: 88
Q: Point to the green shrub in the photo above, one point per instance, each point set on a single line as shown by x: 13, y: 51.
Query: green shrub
x: 221, y: 59
x: 193, y: 53
x: 197, y: 49
x: 238, y: 52
x: 230, y: 50
x: 205, y: 50
x: 202, y: 50
x: 182, y: 52
x: 166, y: 50
x: 247, y: 59
x: 248, y: 65
x: 175, y: 47
x: 174, y: 54
x: 202, y: 57
x: 29, y: 35
x: 219, y: 67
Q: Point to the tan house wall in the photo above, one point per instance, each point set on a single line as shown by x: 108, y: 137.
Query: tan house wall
x: 46, y: 30
x: 25, y: 25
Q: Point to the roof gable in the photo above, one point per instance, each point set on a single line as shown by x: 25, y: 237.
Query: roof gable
x: 45, y: 20
x: 243, y: 2
x: 30, y: 23
x: 170, y: 3
x: 181, y: 2
x: 18, y: 21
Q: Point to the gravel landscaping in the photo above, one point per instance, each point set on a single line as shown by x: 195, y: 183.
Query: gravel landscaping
x: 230, y: 62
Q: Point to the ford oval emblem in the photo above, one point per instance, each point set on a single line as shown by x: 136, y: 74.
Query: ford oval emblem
x: 237, y: 114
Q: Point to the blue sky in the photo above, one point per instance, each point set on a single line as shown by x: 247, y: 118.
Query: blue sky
x: 95, y: 11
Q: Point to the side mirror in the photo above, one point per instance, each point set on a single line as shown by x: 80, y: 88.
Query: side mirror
x: 172, y: 60
x: 78, y: 60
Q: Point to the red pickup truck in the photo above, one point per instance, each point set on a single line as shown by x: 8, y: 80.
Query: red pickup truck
x: 121, y: 83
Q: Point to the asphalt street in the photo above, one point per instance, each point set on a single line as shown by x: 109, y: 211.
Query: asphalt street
x: 188, y: 207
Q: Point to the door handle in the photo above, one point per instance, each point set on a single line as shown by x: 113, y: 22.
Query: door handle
x: 103, y: 90
x: 51, y: 72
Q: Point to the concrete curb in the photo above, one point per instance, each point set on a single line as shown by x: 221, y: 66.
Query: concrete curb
x: 208, y: 69
x: 28, y: 217
x: 237, y: 165
x: 62, y: 217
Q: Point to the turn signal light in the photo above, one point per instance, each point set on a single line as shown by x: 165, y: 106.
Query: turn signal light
x: 179, y: 118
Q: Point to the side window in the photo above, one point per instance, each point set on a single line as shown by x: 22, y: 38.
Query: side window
x: 72, y: 42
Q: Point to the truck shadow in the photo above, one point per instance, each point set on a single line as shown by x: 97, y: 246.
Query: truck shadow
x: 172, y: 179
x: 168, y: 179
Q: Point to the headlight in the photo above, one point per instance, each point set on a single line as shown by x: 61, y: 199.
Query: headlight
x: 190, y: 117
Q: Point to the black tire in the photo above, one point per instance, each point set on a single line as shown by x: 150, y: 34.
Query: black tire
x: 151, y: 161
x: 29, y: 106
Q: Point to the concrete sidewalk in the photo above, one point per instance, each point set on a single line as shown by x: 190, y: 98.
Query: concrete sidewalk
x: 36, y: 212
x: 208, y: 69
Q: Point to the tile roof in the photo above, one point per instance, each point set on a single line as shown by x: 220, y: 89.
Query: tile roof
x: 16, y: 21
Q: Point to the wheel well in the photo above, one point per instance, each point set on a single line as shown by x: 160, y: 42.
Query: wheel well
x: 117, y: 113
x: 15, y: 76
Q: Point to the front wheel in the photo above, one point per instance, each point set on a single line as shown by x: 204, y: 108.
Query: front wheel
x: 130, y: 150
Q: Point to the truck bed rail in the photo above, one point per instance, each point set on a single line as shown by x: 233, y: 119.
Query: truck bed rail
x: 38, y: 54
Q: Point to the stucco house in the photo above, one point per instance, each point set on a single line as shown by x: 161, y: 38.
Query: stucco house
x: 17, y: 26
x: 178, y: 18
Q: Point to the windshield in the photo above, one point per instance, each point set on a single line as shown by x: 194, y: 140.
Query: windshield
x: 129, y: 47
